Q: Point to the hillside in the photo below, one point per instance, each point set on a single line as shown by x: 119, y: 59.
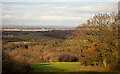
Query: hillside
x: 93, y: 45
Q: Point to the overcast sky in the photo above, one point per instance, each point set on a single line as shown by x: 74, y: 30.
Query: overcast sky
x: 53, y: 13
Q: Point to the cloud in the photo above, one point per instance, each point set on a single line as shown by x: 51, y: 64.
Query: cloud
x: 114, y: 0
x: 7, y: 17
x: 60, y: 0
x: 51, y: 14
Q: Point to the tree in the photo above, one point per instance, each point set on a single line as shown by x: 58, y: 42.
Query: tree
x: 97, y: 40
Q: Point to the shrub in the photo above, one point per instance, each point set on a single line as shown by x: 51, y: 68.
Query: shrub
x: 63, y: 57
x: 115, y: 66
x: 11, y: 65
x: 60, y: 57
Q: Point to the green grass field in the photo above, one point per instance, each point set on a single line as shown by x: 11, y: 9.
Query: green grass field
x: 64, y: 67
x: 34, y: 36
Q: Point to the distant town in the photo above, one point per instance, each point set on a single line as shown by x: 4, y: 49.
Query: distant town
x: 17, y: 28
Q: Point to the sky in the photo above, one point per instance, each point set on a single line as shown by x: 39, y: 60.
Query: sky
x: 54, y: 13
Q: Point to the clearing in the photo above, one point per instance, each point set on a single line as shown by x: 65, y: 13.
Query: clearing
x: 65, y: 67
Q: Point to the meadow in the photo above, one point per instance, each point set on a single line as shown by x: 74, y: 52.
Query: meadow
x: 65, y: 67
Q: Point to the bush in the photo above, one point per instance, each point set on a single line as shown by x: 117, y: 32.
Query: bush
x: 63, y: 57
x: 114, y: 67
x: 11, y: 65
x: 60, y: 57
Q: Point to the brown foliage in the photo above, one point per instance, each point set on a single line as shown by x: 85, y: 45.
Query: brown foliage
x: 9, y: 64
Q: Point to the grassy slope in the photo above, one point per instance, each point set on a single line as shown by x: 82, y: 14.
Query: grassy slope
x: 63, y: 67
x: 34, y: 36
